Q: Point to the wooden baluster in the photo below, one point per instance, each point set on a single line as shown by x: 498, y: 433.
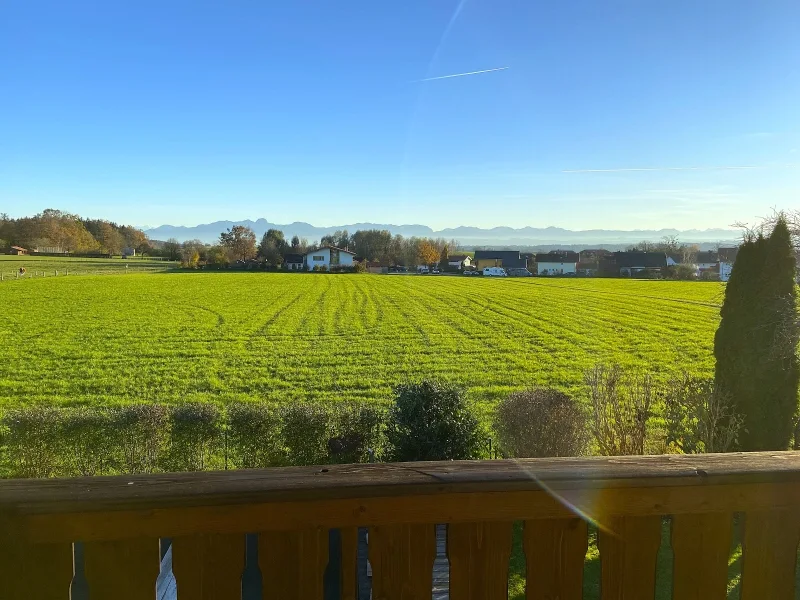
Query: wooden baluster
x: 293, y: 564
x: 628, y: 552
x: 402, y: 561
x: 30, y: 571
x: 349, y: 563
x: 701, y: 544
x: 478, y: 555
x: 555, y: 550
x: 123, y: 569
x: 769, y: 555
x: 208, y: 567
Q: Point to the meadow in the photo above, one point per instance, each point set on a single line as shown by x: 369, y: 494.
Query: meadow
x: 38, y: 266
x: 219, y: 337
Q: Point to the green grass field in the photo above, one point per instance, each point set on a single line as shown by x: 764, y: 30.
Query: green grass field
x: 223, y: 336
x: 48, y: 265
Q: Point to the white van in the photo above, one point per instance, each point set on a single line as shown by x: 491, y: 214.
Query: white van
x: 494, y: 272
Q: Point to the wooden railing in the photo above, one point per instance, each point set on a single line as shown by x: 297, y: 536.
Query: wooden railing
x: 119, y: 521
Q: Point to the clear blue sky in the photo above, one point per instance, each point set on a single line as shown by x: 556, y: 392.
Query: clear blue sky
x: 183, y: 112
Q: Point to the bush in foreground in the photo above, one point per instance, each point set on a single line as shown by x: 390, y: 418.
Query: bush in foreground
x: 540, y: 422
x: 254, y: 436
x: 432, y: 421
x: 357, y: 429
x: 699, y: 417
x: 33, y: 441
x: 195, y: 437
x: 622, y: 407
x: 306, y: 431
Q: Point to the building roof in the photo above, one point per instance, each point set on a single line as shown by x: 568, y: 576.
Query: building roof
x: 18, y: 248
x: 706, y: 257
x: 641, y: 260
x: 329, y: 248
x: 510, y: 258
x: 293, y: 258
x: 458, y: 257
x: 558, y: 256
x: 728, y: 254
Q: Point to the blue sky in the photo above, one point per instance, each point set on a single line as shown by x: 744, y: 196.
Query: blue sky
x: 184, y: 112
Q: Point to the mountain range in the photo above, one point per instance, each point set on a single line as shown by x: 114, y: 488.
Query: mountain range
x: 466, y: 236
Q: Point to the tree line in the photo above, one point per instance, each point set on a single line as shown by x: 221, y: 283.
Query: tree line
x: 57, y: 231
x: 240, y: 243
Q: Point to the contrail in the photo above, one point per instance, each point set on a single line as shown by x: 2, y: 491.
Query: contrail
x: 726, y: 167
x: 460, y: 74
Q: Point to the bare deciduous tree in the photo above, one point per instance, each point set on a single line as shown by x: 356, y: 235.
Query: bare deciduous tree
x: 699, y: 417
x: 622, y: 406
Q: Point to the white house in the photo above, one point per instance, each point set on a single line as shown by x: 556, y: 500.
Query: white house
x: 459, y: 261
x: 328, y: 256
x: 706, y: 261
x: 727, y: 256
x: 557, y: 263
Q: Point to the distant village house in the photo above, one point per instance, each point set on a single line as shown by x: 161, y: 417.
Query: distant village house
x: 17, y: 250
x: 293, y: 262
x: 557, y: 262
x: 459, y: 261
x: 328, y: 256
x: 508, y: 259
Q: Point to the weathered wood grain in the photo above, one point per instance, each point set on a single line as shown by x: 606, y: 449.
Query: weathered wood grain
x: 555, y: 550
x: 122, y: 570
x: 209, y: 566
x: 628, y: 552
x: 431, y: 508
x: 479, y: 555
x: 402, y: 561
x: 769, y: 555
x: 293, y: 564
x: 298, y: 484
x: 41, y: 571
x: 701, y: 546
x: 349, y: 537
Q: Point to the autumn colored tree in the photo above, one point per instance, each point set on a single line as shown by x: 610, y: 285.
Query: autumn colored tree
x: 240, y: 242
x: 428, y: 253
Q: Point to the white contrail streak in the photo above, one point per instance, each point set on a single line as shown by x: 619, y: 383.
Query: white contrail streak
x: 727, y: 167
x: 461, y: 74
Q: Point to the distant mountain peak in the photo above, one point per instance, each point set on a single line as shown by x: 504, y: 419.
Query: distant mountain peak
x: 466, y: 235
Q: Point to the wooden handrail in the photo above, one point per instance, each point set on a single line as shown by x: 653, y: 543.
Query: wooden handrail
x: 120, y: 520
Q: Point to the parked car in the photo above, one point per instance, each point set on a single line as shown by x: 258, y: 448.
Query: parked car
x: 471, y: 272
x: 423, y: 270
x: 520, y: 272
x: 435, y: 270
x: 494, y: 272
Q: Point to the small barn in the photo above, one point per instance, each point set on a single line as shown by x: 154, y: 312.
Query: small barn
x: 18, y: 250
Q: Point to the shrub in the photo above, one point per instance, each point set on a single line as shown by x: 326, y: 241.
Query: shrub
x: 359, y: 267
x: 540, y: 422
x: 87, y: 442
x: 357, y: 429
x: 141, y: 433
x: 431, y: 421
x: 306, y: 431
x: 621, y: 409
x: 195, y: 436
x: 254, y: 436
x: 32, y: 437
x: 699, y: 417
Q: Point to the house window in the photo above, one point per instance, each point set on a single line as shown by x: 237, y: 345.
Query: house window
x: 318, y: 258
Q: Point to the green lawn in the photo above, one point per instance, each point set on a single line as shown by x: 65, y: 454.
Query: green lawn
x: 37, y: 266
x: 225, y: 336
